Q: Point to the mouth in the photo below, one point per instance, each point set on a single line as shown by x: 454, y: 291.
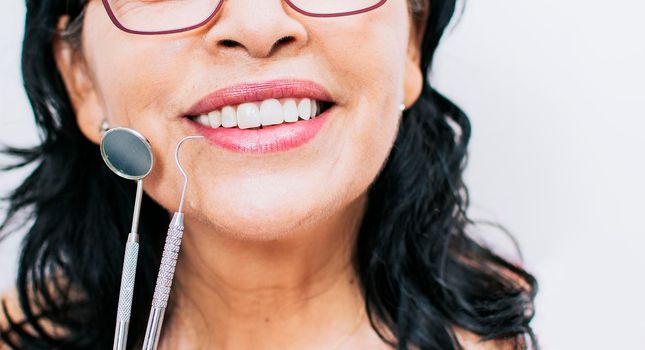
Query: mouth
x: 262, y: 117
x: 260, y: 114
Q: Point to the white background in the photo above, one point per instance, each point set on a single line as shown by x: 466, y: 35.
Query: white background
x: 555, y: 92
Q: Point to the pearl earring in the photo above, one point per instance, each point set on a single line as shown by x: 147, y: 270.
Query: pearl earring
x: 402, y: 107
x: 105, y: 126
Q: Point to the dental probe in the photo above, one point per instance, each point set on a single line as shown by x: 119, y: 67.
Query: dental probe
x: 168, y: 263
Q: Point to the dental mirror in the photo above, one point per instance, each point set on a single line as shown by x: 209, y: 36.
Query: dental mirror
x: 128, y: 154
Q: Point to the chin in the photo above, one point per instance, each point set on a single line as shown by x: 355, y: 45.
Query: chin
x: 258, y: 225
x: 262, y: 231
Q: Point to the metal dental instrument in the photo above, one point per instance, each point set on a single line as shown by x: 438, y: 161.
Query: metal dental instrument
x: 128, y: 154
x: 168, y: 263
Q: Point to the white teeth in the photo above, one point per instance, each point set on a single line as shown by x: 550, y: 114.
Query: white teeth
x: 248, y: 116
x: 229, y: 117
x: 203, y: 119
x: 215, y: 119
x: 255, y: 114
x: 314, y: 108
x: 290, y: 111
x: 304, y: 108
x: 271, y: 112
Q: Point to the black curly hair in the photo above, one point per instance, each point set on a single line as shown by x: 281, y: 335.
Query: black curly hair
x: 420, y: 272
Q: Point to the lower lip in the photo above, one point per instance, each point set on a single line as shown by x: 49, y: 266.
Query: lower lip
x: 269, y: 139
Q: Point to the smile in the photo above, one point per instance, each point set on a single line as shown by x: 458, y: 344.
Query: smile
x: 260, y: 114
x: 263, y: 117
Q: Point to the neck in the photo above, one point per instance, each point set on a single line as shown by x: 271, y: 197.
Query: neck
x: 290, y: 292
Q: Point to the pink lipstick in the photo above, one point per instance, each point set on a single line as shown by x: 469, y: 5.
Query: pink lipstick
x: 267, y: 139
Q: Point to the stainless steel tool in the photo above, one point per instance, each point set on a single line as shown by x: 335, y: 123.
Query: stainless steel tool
x: 128, y: 154
x: 168, y: 263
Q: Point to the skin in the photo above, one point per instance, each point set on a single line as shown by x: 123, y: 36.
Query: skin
x: 265, y: 260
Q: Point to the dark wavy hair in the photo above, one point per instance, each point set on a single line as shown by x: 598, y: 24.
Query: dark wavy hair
x: 420, y: 272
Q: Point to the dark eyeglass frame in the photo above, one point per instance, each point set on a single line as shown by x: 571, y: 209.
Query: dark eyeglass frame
x: 118, y: 24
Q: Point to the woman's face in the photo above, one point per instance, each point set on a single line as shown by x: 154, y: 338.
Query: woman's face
x: 366, y: 63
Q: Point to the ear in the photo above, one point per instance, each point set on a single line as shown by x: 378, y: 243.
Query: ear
x: 78, y: 83
x: 413, y: 77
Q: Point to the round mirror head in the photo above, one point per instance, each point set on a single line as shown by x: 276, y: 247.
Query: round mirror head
x: 127, y: 153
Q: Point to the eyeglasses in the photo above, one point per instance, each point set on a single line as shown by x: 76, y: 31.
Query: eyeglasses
x: 149, y: 17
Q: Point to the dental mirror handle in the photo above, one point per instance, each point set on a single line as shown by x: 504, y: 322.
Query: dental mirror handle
x: 128, y: 276
x: 164, y: 281
x: 127, y: 289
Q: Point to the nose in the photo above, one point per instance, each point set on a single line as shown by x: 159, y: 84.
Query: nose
x: 257, y: 28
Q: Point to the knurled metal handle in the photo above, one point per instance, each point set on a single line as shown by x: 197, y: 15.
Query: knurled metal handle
x: 164, y: 282
x: 127, y: 280
x: 167, y: 267
x: 128, y: 275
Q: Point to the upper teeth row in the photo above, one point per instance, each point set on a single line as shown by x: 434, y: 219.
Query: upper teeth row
x: 267, y: 112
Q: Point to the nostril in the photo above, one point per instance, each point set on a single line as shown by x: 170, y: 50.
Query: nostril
x: 229, y: 43
x: 284, y: 40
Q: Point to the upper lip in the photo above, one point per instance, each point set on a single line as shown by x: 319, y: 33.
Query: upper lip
x: 258, y: 91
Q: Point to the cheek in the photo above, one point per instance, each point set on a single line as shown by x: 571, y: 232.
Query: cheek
x: 133, y: 74
x: 367, y: 53
x: 136, y: 79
